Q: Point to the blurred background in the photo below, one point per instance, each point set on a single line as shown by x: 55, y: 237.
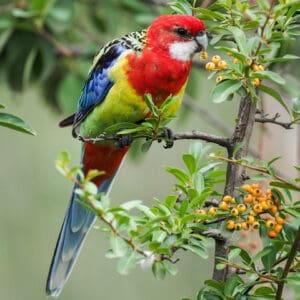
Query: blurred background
x: 46, y: 49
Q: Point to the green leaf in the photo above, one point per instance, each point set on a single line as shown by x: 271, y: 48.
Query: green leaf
x: 224, y: 90
x: 293, y: 278
x: 181, y: 7
x: 93, y: 174
x: 240, y: 39
x: 131, y: 204
x: 284, y: 185
x: 200, y: 251
x: 234, y: 253
x: 128, y: 262
x: 285, y: 58
x: 230, y: 285
x: 170, y: 267
x: 269, y: 75
x: 15, y: 123
x: 179, y: 174
x: 264, y: 291
x: 183, y: 208
x: 118, y: 247
x: 220, y: 266
x: 293, y: 212
x: 190, y: 162
x: 171, y: 200
x: 269, y: 258
x: 91, y: 188
x: 2, y: 106
x: 159, y: 270
x: 262, y: 253
x: 146, y: 146
x: 275, y: 95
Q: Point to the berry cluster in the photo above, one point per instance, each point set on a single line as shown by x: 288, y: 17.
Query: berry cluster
x: 227, y: 72
x: 252, y: 210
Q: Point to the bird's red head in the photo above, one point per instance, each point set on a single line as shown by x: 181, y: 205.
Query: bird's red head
x: 178, y: 36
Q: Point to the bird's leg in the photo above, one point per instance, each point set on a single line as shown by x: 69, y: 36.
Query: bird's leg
x: 123, y: 140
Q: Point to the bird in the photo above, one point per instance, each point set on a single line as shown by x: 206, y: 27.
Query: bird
x: 154, y: 61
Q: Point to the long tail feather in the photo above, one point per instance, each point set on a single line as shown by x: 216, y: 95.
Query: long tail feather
x: 78, y: 220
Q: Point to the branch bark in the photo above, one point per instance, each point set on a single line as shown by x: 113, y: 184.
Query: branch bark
x: 235, y: 173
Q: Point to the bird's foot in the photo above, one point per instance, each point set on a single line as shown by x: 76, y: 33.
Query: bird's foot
x: 123, y: 140
x: 168, y: 138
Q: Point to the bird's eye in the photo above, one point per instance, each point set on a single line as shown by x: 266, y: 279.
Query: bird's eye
x: 182, y: 32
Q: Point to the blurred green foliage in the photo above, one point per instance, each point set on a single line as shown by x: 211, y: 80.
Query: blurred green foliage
x: 52, y: 43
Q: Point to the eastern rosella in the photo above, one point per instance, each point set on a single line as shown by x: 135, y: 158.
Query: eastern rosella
x: 155, y: 61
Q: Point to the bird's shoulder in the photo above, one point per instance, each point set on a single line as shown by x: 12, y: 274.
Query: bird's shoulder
x: 133, y: 41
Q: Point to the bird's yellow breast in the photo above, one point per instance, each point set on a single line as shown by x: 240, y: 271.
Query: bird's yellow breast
x: 121, y: 104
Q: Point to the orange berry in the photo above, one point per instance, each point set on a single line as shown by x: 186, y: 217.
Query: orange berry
x: 279, y: 220
x: 238, y: 226
x: 224, y: 205
x: 250, y: 219
x: 255, y: 186
x: 245, y: 225
x: 216, y: 59
x: 256, y: 225
x: 278, y: 228
x: 262, y: 199
x: 241, y: 208
x: 268, y: 193
x: 201, y: 211
x: 230, y: 225
x: 210, y: 66
x: 264, y: 205
x: 261, y: 68
x: 272, y: 234
x: 273, y: 209
x: 270, y: 203
x: 212, y: 211
x: 227, y: 198
x: 219, y: 79
x: 222, y: 64
x: 257, y: 192
x: 203, y: 55
x: 236, y: 60
x: 255, y: 82
x: 247, y: 188
x: 270, y: 224
x: 234, y: 212
x: 248, y: 199
x: 254, y: 67
x: 257, y: 208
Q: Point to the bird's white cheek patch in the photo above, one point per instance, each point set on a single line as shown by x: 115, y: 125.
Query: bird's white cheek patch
x: 183, y: 51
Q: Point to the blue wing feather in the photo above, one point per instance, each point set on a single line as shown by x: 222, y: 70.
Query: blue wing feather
x: 98, y: 83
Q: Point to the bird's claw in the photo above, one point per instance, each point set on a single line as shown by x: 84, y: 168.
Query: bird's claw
x: 124, y: 140
x: 168, y: 136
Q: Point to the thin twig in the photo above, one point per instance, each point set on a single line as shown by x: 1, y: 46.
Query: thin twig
x: 257, y: 169
x: 273, y: 120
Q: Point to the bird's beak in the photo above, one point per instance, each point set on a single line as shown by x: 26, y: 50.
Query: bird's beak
x: 201, y: 40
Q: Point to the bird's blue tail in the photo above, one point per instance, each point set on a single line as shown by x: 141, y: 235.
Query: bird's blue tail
x: 79, y: 220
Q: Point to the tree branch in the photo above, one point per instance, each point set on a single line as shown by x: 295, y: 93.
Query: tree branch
x: 273, y: 120
x: 188, y: 135
x: 235, y: 173
x: 291, y: 257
